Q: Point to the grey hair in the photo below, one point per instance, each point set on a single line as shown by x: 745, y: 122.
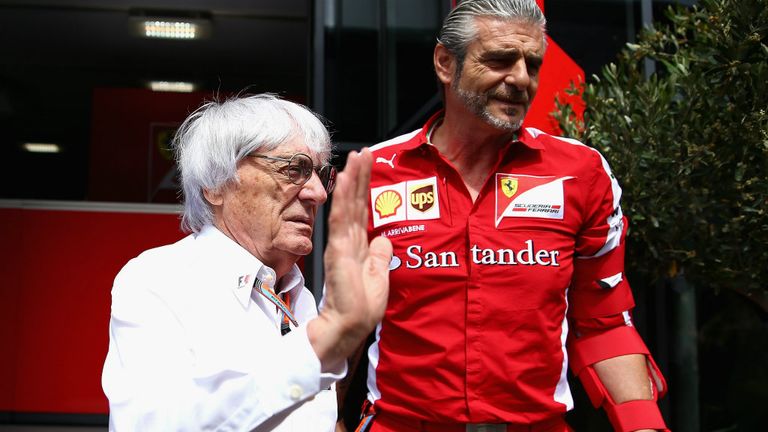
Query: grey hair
x: 459, y: 29
x: 218, y: 135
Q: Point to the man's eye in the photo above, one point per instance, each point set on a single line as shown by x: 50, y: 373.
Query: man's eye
x: 496, y: 63
x: 294, y: 171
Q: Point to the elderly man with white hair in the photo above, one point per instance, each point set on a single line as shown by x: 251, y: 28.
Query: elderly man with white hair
x: 217, y: 331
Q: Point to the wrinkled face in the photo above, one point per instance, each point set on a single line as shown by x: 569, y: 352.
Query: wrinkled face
x: 500, y: 74
x: 265, y: 212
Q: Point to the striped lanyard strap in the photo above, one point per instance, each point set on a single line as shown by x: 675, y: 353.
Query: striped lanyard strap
x: 270, y: 295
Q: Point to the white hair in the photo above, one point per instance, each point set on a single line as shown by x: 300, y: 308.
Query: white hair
x: 218, y: 135
x: 459, y: 28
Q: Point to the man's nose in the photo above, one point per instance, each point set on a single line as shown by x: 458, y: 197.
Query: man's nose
x: 517, y: 76
x: 313, y: 190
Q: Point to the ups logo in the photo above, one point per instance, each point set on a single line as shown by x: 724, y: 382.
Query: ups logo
x: 423, y: 198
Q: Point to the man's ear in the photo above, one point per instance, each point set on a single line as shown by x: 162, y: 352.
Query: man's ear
x: 214, y: 197
x: 445, y: 64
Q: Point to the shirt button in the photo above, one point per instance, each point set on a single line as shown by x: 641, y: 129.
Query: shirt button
x: 295, y: 392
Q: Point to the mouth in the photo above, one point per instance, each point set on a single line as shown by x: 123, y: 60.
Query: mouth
x: 506, y: 96
x: 510, y: 101
x: 512, y: 107
x: 301, y: 220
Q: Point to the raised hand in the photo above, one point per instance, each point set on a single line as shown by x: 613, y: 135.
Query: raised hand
x: 357, y: 273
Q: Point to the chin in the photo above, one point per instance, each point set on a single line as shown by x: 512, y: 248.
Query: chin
x: 299, y: 247
x: 503, y: 122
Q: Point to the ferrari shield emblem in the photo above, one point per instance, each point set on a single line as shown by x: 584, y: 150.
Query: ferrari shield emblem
x: 508, y: 186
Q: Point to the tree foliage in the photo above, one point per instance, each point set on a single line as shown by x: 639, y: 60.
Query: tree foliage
x: 689, y: 144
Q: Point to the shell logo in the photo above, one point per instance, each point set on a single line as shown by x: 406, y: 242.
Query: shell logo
x: 387, y: 203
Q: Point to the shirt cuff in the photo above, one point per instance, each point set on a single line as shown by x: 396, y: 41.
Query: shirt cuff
x: 302, y: 369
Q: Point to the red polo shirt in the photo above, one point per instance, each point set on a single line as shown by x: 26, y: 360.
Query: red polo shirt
x: 475, y: 329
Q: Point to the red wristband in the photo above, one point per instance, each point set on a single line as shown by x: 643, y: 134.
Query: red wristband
x: 635, y: 415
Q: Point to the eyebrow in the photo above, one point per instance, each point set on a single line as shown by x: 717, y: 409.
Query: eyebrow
x: 533, y: 59
x: 271, y: 158
x: 288, y: 157
x: 512, y: 52
x: 281, y: 156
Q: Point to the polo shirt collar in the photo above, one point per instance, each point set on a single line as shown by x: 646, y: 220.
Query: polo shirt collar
x: 524, y: 136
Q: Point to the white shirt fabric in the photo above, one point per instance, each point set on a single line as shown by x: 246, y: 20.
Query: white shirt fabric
x: 194, y: 348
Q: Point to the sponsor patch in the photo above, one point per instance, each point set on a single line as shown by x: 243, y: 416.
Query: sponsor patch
x: 388, y: 204
x: 408, y: 200
x: 519, y: 195
x: 422, y: 199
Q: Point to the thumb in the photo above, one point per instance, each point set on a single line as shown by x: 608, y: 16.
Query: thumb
x: 379, y: 255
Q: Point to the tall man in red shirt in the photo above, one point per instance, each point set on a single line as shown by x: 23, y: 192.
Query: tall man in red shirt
x: 508, y: 254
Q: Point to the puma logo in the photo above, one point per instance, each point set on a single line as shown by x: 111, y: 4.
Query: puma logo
x: 389, y: 161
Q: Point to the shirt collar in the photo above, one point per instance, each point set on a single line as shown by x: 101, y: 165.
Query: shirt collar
x: 239, y: 268
x: 526, y: 136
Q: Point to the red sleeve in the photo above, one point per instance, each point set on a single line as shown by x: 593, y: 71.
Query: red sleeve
x: 591, y: 326
x: 599, y: 287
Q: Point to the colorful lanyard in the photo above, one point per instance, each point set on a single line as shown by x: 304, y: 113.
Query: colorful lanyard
x: 267, y: 292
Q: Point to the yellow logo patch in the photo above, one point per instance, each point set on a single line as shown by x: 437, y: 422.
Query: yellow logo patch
x: 508, y: 186
x: 387, y: 203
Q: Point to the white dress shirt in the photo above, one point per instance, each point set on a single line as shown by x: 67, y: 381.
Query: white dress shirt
x: 193, y: 347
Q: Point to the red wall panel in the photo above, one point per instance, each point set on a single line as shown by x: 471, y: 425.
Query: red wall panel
x: 10, y: 290
x: 57, y: 271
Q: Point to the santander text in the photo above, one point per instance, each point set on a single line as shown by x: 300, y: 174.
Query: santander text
x: 527, y: 255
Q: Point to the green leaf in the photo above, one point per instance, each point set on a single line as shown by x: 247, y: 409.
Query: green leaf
x: 689, y: 144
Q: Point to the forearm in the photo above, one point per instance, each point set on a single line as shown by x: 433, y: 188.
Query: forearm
x: 625, y: 377
x: 614, y: 368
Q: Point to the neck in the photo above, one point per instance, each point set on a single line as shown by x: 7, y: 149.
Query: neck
x: 471, y: 145
x: 279, y: 261
x: 280, y: 270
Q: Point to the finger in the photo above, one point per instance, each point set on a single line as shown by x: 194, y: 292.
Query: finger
x: 358, y: 214
x: 336, y: 214
x: 364, y: 176
x: 363, y: 183
x: 345, y: 187
x: 354, y: 168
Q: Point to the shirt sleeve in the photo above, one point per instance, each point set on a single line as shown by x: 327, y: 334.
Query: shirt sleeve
x: 599, y: 287
x: 153, y: 384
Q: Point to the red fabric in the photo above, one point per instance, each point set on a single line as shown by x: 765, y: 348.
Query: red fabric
x: 477, y: 303
x: 585, y: 351
x: 389, y: 423
x: 589, y: 299
x: 591, y: 326
x: 635, y: 415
